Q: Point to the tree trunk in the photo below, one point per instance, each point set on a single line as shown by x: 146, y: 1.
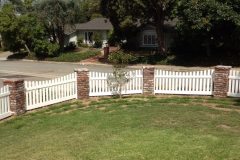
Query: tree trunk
x: 28, y: 50
x: 159, y: 23
x: 61, y: 38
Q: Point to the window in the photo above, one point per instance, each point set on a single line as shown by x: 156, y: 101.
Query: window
x: 149, y: 39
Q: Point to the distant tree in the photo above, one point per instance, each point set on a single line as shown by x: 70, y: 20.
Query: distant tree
x: 23, y: 31
x: 130, y: 13
x: 55, y: 15
x: 214, y: 23
x: 89, y: 9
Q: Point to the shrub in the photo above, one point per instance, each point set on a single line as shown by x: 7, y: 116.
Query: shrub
x: 44, y: 48
x: 71, y: 46
x: 97, y: 38
x: 80, y: 41
x: 112, y: 38
x: 121, y: 58
x: 120, y: 77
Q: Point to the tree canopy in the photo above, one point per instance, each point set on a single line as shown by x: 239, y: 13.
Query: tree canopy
x: 215, y: 23
x: 126, y: 14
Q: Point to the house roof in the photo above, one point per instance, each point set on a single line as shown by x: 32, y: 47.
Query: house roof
x: 69, y: 29
x: 103, y: 24
x: 95, y: 24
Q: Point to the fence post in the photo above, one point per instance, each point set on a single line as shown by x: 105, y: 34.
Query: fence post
x: 17, y: 95
x: 221, y: 81
x: 82, y: 83
x: 148, y: 80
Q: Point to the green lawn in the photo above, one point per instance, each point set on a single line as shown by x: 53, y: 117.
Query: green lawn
x: 74, y: 56
x: 134, y: 128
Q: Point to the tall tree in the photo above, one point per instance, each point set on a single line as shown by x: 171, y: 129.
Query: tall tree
x: 216, y: 23
x: 153, y: 12
x: 56, y: 15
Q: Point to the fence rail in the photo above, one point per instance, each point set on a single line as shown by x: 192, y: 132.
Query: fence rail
x: 98, y: 82
x: 188, y: 83
x: 234, y: 84
x: 4, y: 102
x: 43, y: 93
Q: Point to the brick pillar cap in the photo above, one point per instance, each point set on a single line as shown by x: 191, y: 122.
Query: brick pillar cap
x: 81, y: 70
x: 148, y: 67
x: 14, y: 80
x: 223, y: 67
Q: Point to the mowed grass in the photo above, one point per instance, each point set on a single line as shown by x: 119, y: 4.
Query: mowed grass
x: 133, y: 128
x: 70, y: 56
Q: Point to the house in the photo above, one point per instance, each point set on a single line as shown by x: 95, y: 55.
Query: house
x: 86, y: 31
x: 146, y: 37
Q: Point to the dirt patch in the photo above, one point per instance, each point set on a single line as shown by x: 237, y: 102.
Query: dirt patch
x: 101, y: 108
x: 228, y: 128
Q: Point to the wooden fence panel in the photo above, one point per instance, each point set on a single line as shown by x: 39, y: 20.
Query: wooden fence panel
x: 234, y: 84
x: 187, y: 83
x: 43, y: 93
x: 98, y: 82
x: 4, y: 102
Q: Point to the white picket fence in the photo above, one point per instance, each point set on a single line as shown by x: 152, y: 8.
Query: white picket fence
x: 4, y: 103
x: 186, y: 83
x: 98, y: 82
x: 43, y: 93
x: 234, y: 84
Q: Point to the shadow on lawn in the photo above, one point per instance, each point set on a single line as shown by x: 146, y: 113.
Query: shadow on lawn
x: 237, y: 102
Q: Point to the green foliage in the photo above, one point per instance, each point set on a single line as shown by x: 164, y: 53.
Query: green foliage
x: 89, y: 9
x: 209, y: 26
x: 56, y: 14
x: 120, y: 76
x: 126, y: 15
x: 121, y: 59
x: 97, y: 38
x: 9, y: 28
x: 112, y: 38
x: 79, y: 41
x: 43, y: 48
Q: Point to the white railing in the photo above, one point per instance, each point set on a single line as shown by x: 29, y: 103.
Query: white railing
x: 43, y: 93
x: 187, y: 83
x: 4, y: 102
x: 98, y: 82
x: 234, y: 84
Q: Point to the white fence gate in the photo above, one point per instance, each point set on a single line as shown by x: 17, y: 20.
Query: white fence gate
x: 43, y: 93
x: 234, y: 84
x: 188, y: 83
x: 4, y: 102
x: 99, y: 85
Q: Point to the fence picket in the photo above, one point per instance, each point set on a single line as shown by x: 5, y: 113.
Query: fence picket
x: 99, y: 85
x: 43, y: 93
x: 4, y: 102
x: 192, y: 83
x: 234, y: 83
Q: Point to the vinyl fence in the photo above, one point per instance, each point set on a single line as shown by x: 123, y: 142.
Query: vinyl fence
x: 234, y: 84
x: 188, y: 83
x: 4, y: 102
x: 43, y: 93
x: 98, y: 83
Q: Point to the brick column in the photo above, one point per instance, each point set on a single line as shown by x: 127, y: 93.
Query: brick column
x: 148, y: 80
x: 221, y: 81
x: 82, y: 83
x: 17, y: 95
x: 106, y: 51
